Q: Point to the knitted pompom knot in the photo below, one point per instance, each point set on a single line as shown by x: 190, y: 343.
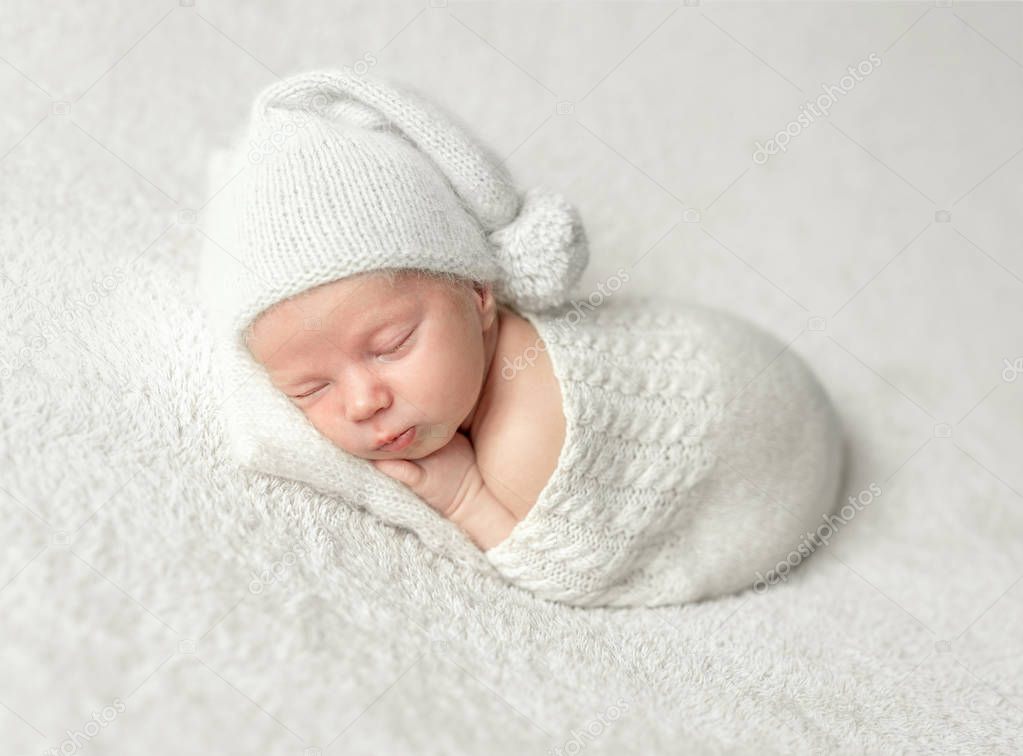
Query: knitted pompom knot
x: 543, y: 251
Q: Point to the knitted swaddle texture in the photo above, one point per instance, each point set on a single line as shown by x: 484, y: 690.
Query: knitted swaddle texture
x: 698, y: 453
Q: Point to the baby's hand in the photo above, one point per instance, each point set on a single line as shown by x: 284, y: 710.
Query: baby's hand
x: 445, y: 479
x: 449, y: 480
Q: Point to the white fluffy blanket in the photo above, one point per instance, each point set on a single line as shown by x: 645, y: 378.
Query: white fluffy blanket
x: 157, y: 600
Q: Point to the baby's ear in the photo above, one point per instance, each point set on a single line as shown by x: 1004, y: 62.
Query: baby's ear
x: 484, y: 291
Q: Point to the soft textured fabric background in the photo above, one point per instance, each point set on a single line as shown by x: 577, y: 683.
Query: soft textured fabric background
x: 216, y: 611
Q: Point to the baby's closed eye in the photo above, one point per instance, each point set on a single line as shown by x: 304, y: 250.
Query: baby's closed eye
x: 400, y: 346
x: 308, y: 393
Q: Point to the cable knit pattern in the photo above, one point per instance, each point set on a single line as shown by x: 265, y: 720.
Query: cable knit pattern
x: 698, y: 452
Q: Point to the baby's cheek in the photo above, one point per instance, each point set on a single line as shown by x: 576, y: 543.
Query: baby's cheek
x: 448, y: 390
x: 319, y: 418
x: 427, y: 378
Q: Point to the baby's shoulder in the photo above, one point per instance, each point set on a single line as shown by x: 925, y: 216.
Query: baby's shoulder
x: 519, y: 441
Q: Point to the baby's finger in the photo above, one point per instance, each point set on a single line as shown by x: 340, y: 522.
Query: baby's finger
x: 401, y: 470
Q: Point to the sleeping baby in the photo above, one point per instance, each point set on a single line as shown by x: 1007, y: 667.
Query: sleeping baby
x: 379, y: 268
x: 399, y: 370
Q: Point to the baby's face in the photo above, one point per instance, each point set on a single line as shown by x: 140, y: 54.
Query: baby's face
x: 364, y: 360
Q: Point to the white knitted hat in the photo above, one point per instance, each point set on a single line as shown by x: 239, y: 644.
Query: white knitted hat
x: 341, y: 174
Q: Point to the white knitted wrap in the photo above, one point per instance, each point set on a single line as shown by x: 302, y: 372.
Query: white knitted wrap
x: 698, y: 453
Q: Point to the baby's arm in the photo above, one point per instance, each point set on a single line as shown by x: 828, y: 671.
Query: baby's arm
x: 485, y: 519
x: 450, y: 481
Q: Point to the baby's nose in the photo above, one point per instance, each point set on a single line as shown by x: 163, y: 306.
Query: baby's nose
x: 365, y: 397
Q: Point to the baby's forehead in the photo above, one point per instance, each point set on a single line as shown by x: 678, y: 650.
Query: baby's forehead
x: 347, y: 311
x: 360, y: 299
x: 355, y: 296
x: 356, y: 299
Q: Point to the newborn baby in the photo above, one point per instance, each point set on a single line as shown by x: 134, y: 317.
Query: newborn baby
x: 699, y: 453
x: 397, y: 369
x: 396, y: 323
